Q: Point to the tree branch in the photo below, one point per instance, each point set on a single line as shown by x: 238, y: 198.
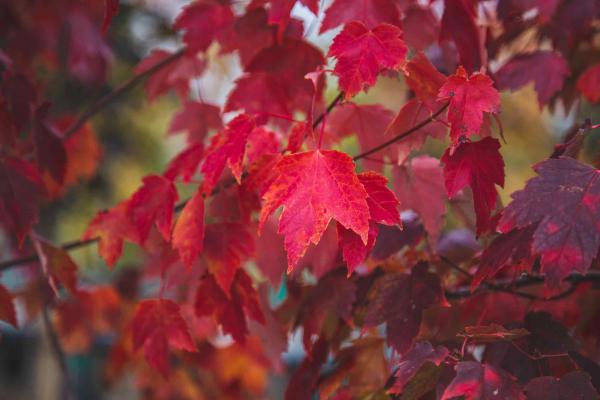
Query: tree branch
x: 59, y: 353
x: 98, y: 105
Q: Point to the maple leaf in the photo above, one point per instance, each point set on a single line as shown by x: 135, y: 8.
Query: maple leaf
x: 21, y: 193
x: 566, y: 234
x: 362, y: 54
x: 470, y: 97
x: 186, y: 163
x: 370, y: 12
x: 314, y: 187
x: 229, y: 308
x: 50, y: 152
x: 421, y: 27
x: 475, y: 381
x: 112, y: 227
x: 57, y: 264
x: 368, y: 122
x: 270, y: 253
x: 197, y: 119
x: 423, y: 78
x: 111, y: 9
x: 419, y: 185
x: 279, y: 12
x: 459, y: 25
x: 479, y: 165
x: 412, y: 113
x: 227, y: 147
x: 156, y: 325
x: 7, y: 307
x: 399, y: 300
x: 413, y: 361
x: 188, y: 234
x: 383, y: 209
x: 574, y: 385
x: 306, y: 376
x: 153, y: 204
x: 509, y: 249
x: 175, y: 76
x: 203, y: 22
x: 226, y: 246
x: 546, y: 69
x: 589, y: 83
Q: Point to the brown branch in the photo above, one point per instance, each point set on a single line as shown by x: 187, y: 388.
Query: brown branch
x: 98, y: 105
x: 402, y: 135
x: 59, y: 353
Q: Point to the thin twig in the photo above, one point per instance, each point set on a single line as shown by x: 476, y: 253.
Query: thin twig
x: 59, y: 353
x: 98, y: 105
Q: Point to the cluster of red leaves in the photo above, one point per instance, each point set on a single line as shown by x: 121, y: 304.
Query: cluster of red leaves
x: 370, y: 267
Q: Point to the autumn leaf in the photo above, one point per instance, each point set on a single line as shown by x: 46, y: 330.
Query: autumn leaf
x: 547, y: 70
x: 227, y: 147
x: 475, y: 381
x: 566, y: 234
x: 589, y: 83
x: 57, y: 264
x: 399, y: 300
x: 50, y: 153
x: 111, y: 9
x: 423, y: 78
x: 470, y: 97
x: 21, y: 193
x: 153, y: 204
x: 369, y: 12
x: 362, y: 54
x: 574, y: 385
x: 419, y: 185
x: 480, y: 166
x: 229, y: 308
x: 202, y: 22
x: 188, y: 234
x: 459, y: 24
x: 314, y: 187
x: 156, y: 326
x: 412, y: 362
x: 186, y: 163
x: 197, y: 120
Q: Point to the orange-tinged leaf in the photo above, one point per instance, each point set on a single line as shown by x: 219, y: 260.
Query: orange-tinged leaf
x: 156, y: 326
x: 492, y: 333
x: 423, y: 78
x: 470, y: 97
x: 188, y: 234
x: 112, y: 227
x: 57, y: 265
x: 313, y: 187
x: 153, y: 204
x: 227, y: 147
x: 7, y: 307
x: 362, y: 54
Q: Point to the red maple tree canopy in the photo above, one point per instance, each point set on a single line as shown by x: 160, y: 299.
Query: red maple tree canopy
x: 301, y: 199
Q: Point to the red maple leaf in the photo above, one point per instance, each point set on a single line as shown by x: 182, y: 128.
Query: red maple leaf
x: 475, y: 381
x: 459, y: 25
x: 419, y: 185
x: 50, y: 151
x: 362, y: 54
x: 399, y: 300
x: 111, y: 9
x: 227, y: 147
x: 480, y: 166
x: 197, y: 119
x: 314, y: 187
x: 21, y: 193
x: 589, y: 83
x: 188, y: 234
x: 57, y: 265
x: 470, y: 97
x: 229, y: 308
x: 186, y: 163
x: 423, y: 78
x: 566, y: 233
x: 574, y: 385
x: 203, y: 22
x: 370, y: 12
x: 174, y: 76
x: 156, y: 326
x: 546, y: 69
x: 413, y: 360
x: 153, y: 204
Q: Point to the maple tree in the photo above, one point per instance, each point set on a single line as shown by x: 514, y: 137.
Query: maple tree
x: 295, y: 208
